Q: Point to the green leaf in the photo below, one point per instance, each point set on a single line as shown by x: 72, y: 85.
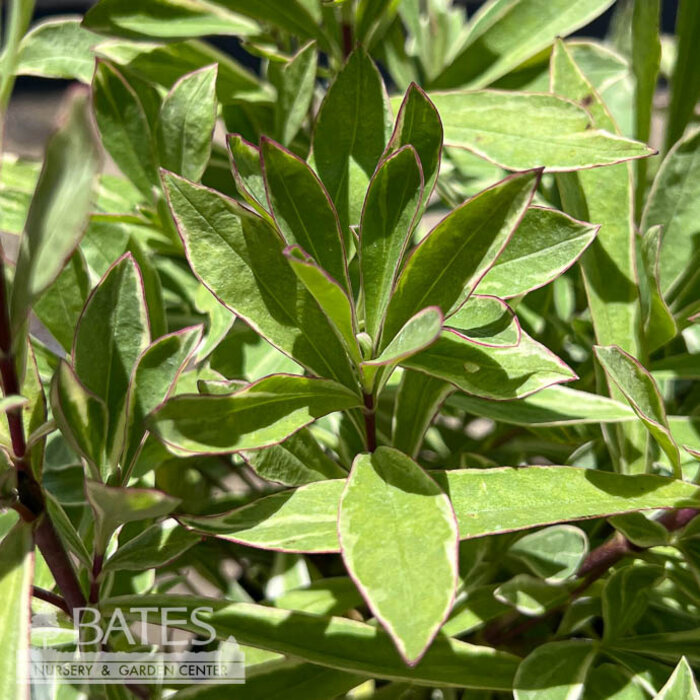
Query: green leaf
x: 164, y: 64
x: 220, y: 321
x: 112, y: 333
x: 247, y: 173
x: 186, y: 124
x: 545, y: 244
x: 350, y: 134
x: 685, y: 81
x: 683, y: 366
x: 469, y: 614
x: 114, y: 506
x: 418, y: 124
x: 646, y: 56
x: 15, y: 591
x: 297, y: 681
x: 65, y: 528
x: 348, y: 645
x: 261, y: 414
x: 487, y: 320
x: 530, y: 596
x: 554, y: 553
x: 556, y: 671
x: 640, y: 390
x: 389, y: 216
x: 640, y: 529
x: 327, y: 596
x: 510, y: 499
x: 19, y: 178
x: 659, y: 323
x: 418, y: 399
x: 625, y: 598
x: 295, y: 93
x: 166, y: 19
x: 59, y: 210
x: 60, y: 306
x: 156, y: 546
x: 555, y: 405
x: 296, y: 461
x: 673, y: 204
x: 518, y: 130
x: 124, y: 127
x: 153, y: 378
x: 58, y: 48
x: 81, y: 416
x: 239, y: 257
x: 681, y: 685
x: 491, y: 372
x: 331, y: 297
x: 418, y: 333
x: 302, y: 209
x: 297, y: 520
x: 398, y: 538
x: 605, y: 196
x: 9, y: 403
x: 451, y: 260
x: 613, y: 682
x: 503, y: 35
x: 669, y: 647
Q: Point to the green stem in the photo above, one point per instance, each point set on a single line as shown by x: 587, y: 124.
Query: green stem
x: 19, y: 15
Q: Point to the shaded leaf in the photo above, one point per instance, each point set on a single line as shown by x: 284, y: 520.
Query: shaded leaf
x: 302, y: 209
x: 625, y: 598
x: 639, y: 388
x: 165, y: 19
x: 389, y: 215
x: 673, y: 204
x: 418, y: 400
x: 295, y: 461
x: 156, y: 546
x: 555, y: 405
x: 81, y: 416
x: 330, y: 296
x: 59, y: 210
x: 685, y: 81
x: 418, y: 124
x: 350, y: 134
x: 487, y: 320
x: 153, y: 378
x: 111, y: 334
x: 114, y: 506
